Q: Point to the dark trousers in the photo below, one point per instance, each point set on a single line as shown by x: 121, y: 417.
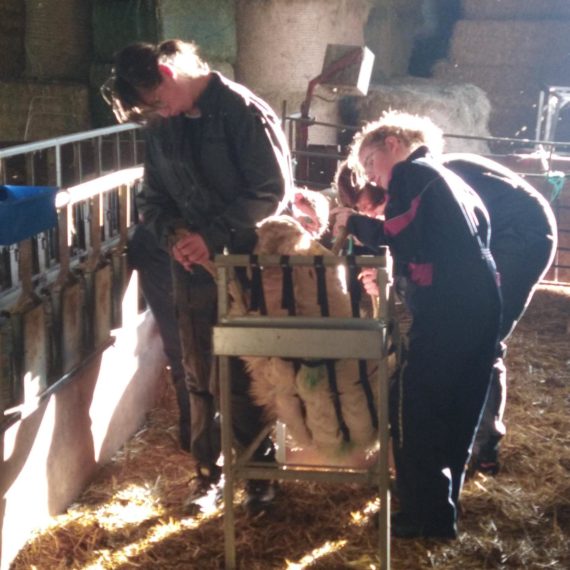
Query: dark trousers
x: 196, y: 303
x: 521, y: 267
x: 436, y: 403
x: 153, y: 266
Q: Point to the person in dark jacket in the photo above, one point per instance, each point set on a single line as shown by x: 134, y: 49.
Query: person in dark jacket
x: 523, y: 244
x: 438, y: 232
x: 216, y: 163
x: 152, y: 263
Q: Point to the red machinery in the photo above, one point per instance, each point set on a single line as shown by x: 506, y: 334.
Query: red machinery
x: 346, y: 70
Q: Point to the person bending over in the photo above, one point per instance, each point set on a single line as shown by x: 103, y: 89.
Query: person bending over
x: 523, y: 244
x: 438, y: 232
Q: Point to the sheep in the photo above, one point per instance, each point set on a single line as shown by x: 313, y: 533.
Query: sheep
x: 298, y: 393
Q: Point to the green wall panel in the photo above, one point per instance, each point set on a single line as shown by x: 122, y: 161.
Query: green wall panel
x: 117, y: 23
x: 209, y: 23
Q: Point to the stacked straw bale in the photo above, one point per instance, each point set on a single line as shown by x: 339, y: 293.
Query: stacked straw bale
x: 511, y: 50
x: 101, y: 112
x: 33, y: 110
x: 456, y: 108
x: 57, y: 39
x: 209, y: 23
x: 390, y: 33
x: 510, y: 42
x: 515, y: 9
x: 12, y: 18
x: 45, y: 52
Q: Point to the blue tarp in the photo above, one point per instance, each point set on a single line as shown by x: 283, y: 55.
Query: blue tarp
x: 26, y: 211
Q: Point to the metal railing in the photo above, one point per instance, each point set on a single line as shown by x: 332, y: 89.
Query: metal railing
x: 60, y: 290
x: 545, y: 164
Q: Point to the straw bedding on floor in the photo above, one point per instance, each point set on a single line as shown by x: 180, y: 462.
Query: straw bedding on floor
x: 132, y: 515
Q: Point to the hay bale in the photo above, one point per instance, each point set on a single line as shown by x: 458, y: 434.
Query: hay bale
x: 33, y: 110
x: 481, y: 42
x: 457, y: 109
x: 282, y: 43
x: 513, y: 92
x: 209, y: 23
x: 390, y: 32
x: 57, y: 39
x: 503, y: 80
x: 515, y: 9
x: 12, y: 23
x: 496, y: 80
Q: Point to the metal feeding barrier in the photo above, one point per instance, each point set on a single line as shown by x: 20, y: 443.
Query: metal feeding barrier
x: 64, y: 222
x: 292, y: 337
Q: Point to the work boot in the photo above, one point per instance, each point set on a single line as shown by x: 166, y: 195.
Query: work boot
x: 404, y: 526
x: 259, y: 495
x: 486, y: 460
x: 206, y: 491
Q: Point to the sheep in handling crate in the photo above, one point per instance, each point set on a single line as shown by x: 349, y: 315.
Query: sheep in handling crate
x: 328, y: 406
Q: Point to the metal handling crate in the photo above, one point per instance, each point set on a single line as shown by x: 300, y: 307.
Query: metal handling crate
x: 303, y: 337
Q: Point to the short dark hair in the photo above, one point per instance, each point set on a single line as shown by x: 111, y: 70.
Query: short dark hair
x: 136, y: 70
x: 345, y: 186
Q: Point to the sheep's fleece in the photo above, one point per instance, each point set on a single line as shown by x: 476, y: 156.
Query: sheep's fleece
x: 302, y: 400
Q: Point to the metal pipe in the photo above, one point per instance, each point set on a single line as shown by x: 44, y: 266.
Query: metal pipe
x: 66, y: 139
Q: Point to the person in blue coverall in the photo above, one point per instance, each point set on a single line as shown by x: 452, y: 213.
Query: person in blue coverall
x: 437, y: 229
x: 523, y: 244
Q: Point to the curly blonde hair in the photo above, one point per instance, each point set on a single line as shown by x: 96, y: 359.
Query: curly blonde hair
x: 412, y: 130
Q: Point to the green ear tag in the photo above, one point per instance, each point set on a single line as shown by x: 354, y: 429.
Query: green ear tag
x: 313, y: 375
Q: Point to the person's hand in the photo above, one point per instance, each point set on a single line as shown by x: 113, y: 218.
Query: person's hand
x: 190, y: 249
x: 369, y: 278
x: 339, y: 216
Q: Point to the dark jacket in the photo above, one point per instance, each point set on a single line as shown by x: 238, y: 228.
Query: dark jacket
x: 519, y: 214
x: 437, y: 229
x: 218, y: 174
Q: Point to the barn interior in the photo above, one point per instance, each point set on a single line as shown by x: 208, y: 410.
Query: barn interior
x: 92, y: 475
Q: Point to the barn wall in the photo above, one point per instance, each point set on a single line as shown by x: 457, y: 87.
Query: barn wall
x: 282, y: 45
x: 50, y: 455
